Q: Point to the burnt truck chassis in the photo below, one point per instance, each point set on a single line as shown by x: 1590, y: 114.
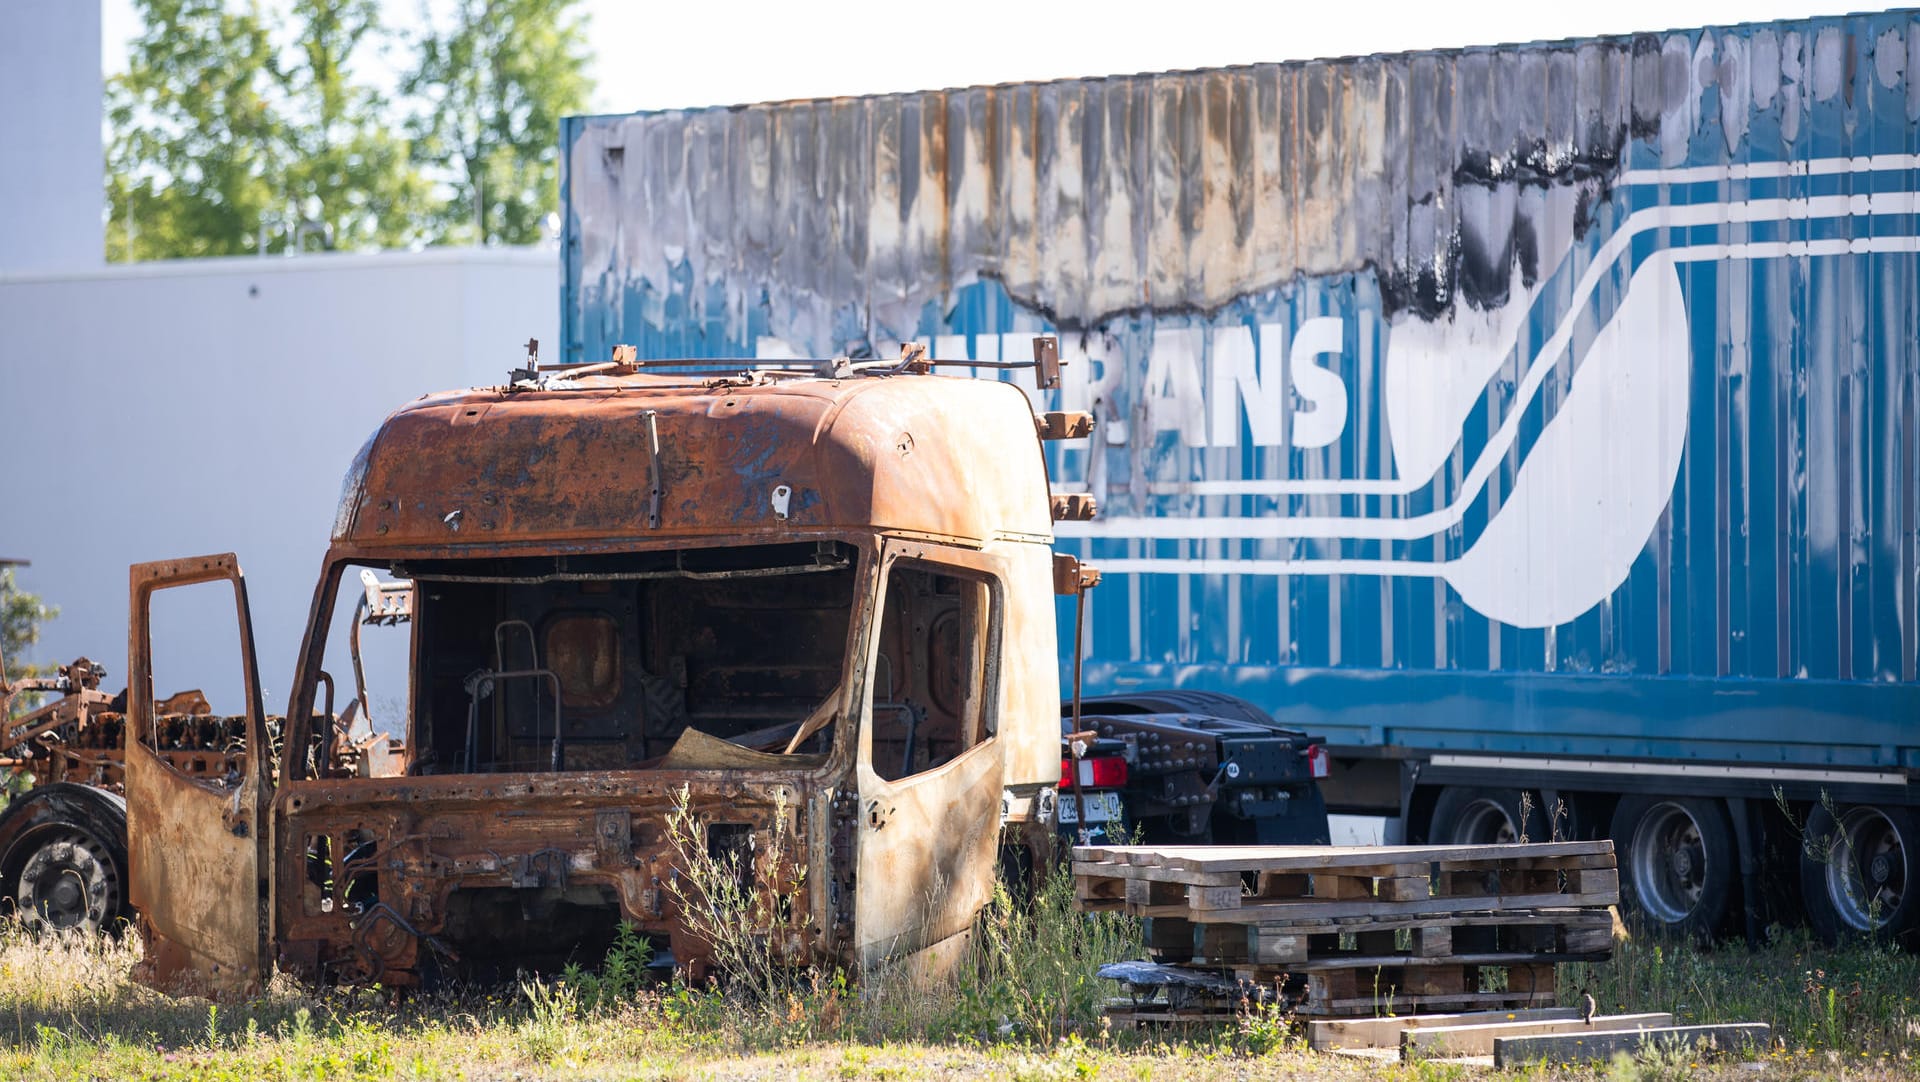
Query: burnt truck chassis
x: 802, y: 615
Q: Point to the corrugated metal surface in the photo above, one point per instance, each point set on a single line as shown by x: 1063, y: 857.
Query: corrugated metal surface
x: 1504, y: 364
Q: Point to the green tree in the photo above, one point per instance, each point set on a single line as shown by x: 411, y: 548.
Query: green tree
x: 493, y: 80
x: 346, y: 174
x: 225, y: 143
x: 21, y: 615
x: 193, y: 164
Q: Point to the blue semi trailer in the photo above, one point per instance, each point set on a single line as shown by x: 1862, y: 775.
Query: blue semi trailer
x: 1539, y: 422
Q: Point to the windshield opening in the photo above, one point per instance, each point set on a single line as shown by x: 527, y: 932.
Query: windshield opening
x: 700, y: 658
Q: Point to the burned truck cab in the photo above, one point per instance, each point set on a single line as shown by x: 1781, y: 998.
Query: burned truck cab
x: 803, y: 620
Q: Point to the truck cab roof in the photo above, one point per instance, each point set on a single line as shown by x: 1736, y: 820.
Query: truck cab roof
x: 756, y: 457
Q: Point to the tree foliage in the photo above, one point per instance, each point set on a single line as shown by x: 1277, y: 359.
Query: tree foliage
x: 344, y: 165
x: 494, y: 81
x: 196, y: 156
x: 21, y: 615
x: 235, y: 131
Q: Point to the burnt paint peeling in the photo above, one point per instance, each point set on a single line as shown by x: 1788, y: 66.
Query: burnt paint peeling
x: 832, y: 225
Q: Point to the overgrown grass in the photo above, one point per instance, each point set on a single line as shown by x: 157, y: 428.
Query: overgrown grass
x: 1025, y: 1006
x: 1857, y: 1002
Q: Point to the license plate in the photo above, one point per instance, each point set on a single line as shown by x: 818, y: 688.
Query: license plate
x: 1101, y: 808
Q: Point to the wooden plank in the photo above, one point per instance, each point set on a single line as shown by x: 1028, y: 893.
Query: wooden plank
x: 1408, y: 961
x: 1310, y: 858
x: 1530, y: 972
x: 1583, y: 919
x: 1595, y: 1047
x: 1367, y: 1004
x: 1476, y: 1039
x: 1325, y: 1035
x: 1521, y: 937
x: 1157, y: 873
x: 1562, y: 863
x: 1309, y: 910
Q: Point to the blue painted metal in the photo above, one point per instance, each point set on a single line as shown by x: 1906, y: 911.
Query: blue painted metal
x: 1560, y: 397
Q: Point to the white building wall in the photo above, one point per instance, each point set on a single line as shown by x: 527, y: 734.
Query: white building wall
x: 161, y: 410
x: 52, y: 192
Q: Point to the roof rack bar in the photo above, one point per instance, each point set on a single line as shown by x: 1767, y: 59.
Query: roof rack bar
x: 913, y: 358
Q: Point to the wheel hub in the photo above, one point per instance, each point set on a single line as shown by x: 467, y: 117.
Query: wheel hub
x: 1683, y: 863
x: 69, y: 882
x: 1668, y: 863
x: 1867, y: 866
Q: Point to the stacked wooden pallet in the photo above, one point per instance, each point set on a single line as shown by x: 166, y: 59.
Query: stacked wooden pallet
x: 1339, y: 931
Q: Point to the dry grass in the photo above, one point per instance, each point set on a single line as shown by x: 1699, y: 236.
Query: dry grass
x: 1027, y: 1009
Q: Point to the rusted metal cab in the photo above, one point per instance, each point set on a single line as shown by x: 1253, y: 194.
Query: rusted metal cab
x: 820, y: 608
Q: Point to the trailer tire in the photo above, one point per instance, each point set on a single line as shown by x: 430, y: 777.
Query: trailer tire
x: 1463, y: 815
x: 1676, y: 861
x: 63, y: 858
x: 1857, y: 874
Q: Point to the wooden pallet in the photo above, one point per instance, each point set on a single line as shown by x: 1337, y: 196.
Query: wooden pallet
x: 1279, y: 884
x: 1582, y: 932
x: 1342, y: 931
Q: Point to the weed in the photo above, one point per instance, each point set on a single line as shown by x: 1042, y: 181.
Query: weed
x: 551, y: 1010
x: 738, y: 900
x: 622, y: 976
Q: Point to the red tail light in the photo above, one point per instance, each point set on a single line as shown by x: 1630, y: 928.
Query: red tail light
x: 1317, y: 760
x: 1099, y: 772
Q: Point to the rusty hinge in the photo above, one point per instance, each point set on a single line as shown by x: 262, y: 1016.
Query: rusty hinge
x: 1074, y: 507
x: 1058, y: 425
x: 1070, y: 576
x: 1046, y: 362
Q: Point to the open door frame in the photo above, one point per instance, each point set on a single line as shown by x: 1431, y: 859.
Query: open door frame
x: 928, y: 844
x: 196, y: 849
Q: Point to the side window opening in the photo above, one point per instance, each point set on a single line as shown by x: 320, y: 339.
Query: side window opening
x: 198, y: 684
x: 360, y: 710
x: 931, y: 681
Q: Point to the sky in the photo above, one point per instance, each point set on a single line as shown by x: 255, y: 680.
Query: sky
x: 662, y: 55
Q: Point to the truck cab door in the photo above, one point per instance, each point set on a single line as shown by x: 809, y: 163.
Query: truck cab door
x: 194, y: 843
x: 929, y: 764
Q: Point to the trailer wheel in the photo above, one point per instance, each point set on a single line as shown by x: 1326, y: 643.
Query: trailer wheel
x: 1857, y: 874
x: 1676, y: 863
x: 63, y: 858
x: 1468, y: 816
